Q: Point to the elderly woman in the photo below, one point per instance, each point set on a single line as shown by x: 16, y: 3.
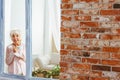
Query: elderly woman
x: 15, y: 54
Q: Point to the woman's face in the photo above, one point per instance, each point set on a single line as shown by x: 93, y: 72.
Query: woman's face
x: 15, y: 38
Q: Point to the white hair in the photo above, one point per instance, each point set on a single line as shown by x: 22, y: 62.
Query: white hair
x: 15, y: 32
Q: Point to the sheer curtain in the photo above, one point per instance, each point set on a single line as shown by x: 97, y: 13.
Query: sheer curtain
x: 38, y: 9
x: 56, y: 23
x: 52, y: 24
x: 45, y: 24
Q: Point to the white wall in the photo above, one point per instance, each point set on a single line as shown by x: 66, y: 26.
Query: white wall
x: 37, y: 26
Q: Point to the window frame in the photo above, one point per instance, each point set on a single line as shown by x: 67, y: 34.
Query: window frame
x: 28, y: 40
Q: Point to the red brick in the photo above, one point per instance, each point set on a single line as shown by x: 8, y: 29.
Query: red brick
x: 110, y: 37
x: 65, y: 29
x: 110, y: 12
x: 116, y: 31
x: 90, y: 40
x: 88, y: 12
x: 90, y: 60
x: 92, y: 48
x: 65, y: 1
x: 82, y: 71
x: 81, y: 66
x: 83, y: 18
x: 74, y: 47
x: 101, y: 78
x: 101, y: 68
x: 117, y: 18
x: 86, y: 54
x: 64, y: 52
x: 62, y: 46
x: 74, y: 1
x: 106, y: 37
x: 111, y: 62
x: 66, y: 6
x: 108, y: 1
x: 95, y: 74
x: 70, y: 12
x: 76, y: 53
x: 101, y: 30
x: 70, y: 1
x: 63, y: 69
x: 115, y: 55
x: 111, y: 49
x: 66, y: 18
x: 79, y: 77
x: 69, y: 58
x: 80, y: 30
x: 64, y: 76
x: 89, y: 36
x: 89, y: 0
x: 72, y: 35
x: 75, y: 35
x: 89, y: 24
x: 105, y: 56
x: 63, y: 64
x: 116, y: 69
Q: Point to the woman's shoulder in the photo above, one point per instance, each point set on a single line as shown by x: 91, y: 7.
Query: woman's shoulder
x: 10, y: 46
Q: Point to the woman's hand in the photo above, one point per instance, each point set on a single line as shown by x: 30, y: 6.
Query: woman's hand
x: 15, y: 44
x: 15, y: 49
x: 22, y: 58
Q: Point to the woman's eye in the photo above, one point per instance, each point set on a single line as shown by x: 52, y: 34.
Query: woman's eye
x: 16, y: 35
x: 13, y: 36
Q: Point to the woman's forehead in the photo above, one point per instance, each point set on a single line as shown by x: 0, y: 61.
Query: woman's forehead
x: 15, y: 34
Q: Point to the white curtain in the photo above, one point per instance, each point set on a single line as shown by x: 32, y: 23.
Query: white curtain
x: 54, y: 21
x: 45, y: 24
x: 38, y: 9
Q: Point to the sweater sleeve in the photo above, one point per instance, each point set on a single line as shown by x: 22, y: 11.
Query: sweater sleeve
x: 9, y: 56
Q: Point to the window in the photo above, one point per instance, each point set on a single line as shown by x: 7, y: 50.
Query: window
x: 45, y: 25
x: 45, y: 34
x: 39, y: 21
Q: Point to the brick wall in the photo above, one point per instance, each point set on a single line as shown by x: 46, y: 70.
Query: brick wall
x: 90, y: 40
